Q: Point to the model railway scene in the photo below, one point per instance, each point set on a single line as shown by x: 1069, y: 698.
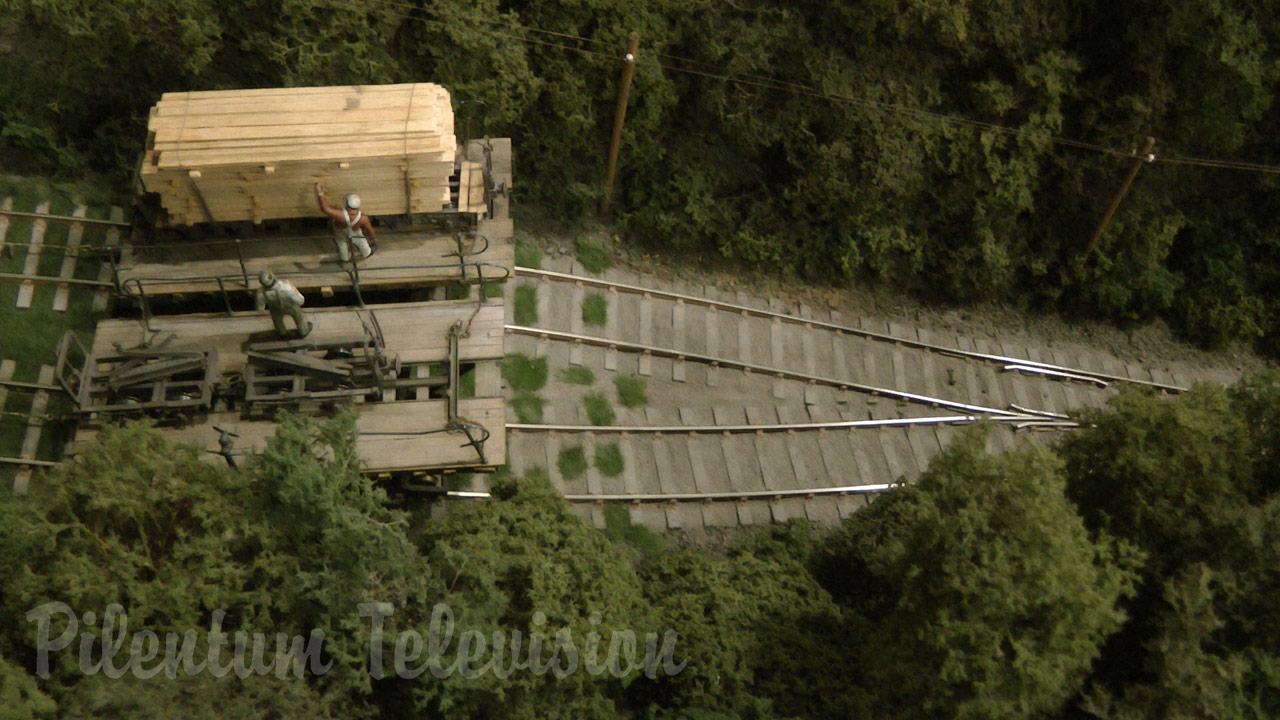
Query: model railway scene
x: 629, y: 360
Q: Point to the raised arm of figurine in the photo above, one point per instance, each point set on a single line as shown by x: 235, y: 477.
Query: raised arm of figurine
x: 324, y: 206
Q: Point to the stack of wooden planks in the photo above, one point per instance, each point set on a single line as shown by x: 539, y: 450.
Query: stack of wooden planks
x: 235, y: 155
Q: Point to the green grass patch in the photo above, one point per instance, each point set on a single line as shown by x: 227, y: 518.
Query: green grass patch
x: 577, y: 375
x: 528, y: 408
x: 457, y: 291
x: 608, y: 460
x: 631, y: 391
x: 619, y: 529
x: 528, y: 256
x: 524, y: 373
x: 595, y: 257
x: 493, y: 290
x: 526, y: 305
x: 572, y: 463
x: 599, y: 411
x: 595, y: 309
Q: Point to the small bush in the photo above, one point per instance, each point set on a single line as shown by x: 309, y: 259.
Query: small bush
x: 609, y: 460
x: 524, y: 373
x: 526, y: 305
x: 577, y: 375
x: 599, y: 411
x: 630, y: 390
x: 595, y: 309
x: 528, y: 408
x: 595, y: 257
x: 572, y: 463
x: 528, y: 256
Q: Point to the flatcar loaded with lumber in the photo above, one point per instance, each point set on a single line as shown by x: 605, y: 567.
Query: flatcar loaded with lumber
x: 236, y: 155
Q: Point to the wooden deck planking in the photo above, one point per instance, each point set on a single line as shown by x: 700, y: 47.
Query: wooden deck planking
x: 415, y: 332
x: 402, y: 258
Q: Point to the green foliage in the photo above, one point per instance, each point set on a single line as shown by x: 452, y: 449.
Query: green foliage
x: 572, y: 462
x: 576, y: 375
x: 511, y: 564
x: 528, y: 256
x: 608, y: 460
x: 493, y: 290
x: 631, y: 390
x: 524, y: 373
x: 595, y: 257
x: 619, y: 529
x: 457, y: 291
x: 527, y: 407
x: 599, y: 411
x: 595, y: 309
x: 984, y: 595
x: 1191, y: 480
x: 525, y: 311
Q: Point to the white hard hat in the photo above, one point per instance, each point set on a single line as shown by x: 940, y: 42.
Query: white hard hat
x: 353, y: 201
x: 266, y: 278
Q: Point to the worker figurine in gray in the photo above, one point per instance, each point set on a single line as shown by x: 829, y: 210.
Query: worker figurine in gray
x: 349, y: 227
x: 281, y: 298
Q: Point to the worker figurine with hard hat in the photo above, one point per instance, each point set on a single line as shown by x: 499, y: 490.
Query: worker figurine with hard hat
x: 349, y: 227
x: 281, y: 298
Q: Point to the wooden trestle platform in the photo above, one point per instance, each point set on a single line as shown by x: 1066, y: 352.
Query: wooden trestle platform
x: 403, y: 429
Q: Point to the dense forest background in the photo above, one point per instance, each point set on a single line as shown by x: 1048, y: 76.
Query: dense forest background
x: 1129, y: 573
x: 802, y: 136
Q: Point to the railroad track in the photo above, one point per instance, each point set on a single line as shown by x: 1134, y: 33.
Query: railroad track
x: 759, y: 411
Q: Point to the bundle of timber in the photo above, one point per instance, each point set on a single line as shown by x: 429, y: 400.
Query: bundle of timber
x: 256, y: 155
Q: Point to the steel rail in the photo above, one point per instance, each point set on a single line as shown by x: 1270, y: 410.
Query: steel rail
x: 63, y: 219
x: 1026, y: 421
x: 733, y: 496
x: 32, y: 462
x: 761, y: 370
x: 1022, y: 365
x: 30, y: 385
x: 49, y: 280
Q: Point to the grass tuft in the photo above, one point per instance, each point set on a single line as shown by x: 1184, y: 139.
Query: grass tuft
x: 599, y: 411
x: 524, y: 373
x: 577, y: 375
x: 528, y: 256
x: 528, y: 408
x: 572, y: 463
x: 608, y: 460
x: 526, y: 305
x: 595, y: 309
x: 631, y: 391
x: 595, y: 257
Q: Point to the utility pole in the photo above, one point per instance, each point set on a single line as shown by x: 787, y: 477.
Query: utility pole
x: 1144, y: 156
x: 624, y: 90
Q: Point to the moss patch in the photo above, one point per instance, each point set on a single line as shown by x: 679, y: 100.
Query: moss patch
x: 572, y: 463
x: 524, y: 373
x: 526, y: 305
x: 595, y: 257
x: 595, y: 309
x: 631, y: 391
x: 528, y: 256
x: 528, y: 408
x: 599, y: 411
x: 608, y: 460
